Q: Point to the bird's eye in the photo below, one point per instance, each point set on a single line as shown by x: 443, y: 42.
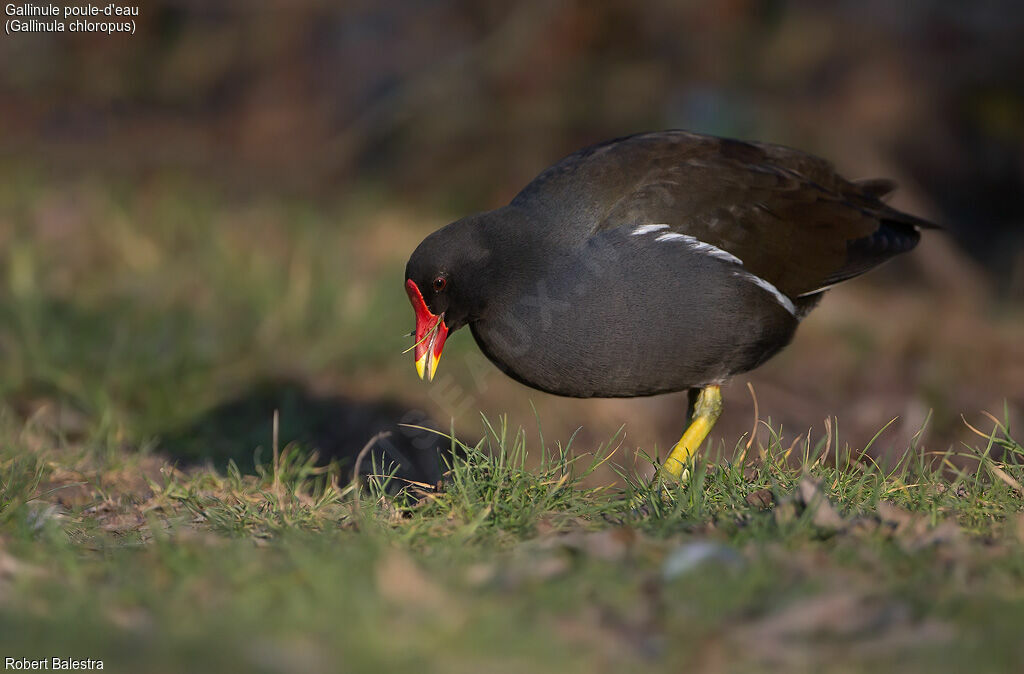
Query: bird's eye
x: 439, y: 283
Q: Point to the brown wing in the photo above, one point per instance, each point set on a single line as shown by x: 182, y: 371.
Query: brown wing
x: 787, y: 215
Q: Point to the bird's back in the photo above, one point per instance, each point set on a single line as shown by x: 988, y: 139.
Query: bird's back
x: 786, y: 214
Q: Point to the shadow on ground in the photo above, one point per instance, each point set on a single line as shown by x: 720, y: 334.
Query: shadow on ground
x: 335, y: 426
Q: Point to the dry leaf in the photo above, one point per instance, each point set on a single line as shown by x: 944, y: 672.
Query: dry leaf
x: 823, y: 514
x: 807, y: 630
x: 762, y: 498
x: 894, y: 515
x: 914, y: 532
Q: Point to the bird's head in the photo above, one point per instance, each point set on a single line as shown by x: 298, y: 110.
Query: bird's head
x: 444, y: 279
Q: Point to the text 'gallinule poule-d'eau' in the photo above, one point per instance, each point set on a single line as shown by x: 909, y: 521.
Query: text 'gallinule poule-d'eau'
x: 650, y: 264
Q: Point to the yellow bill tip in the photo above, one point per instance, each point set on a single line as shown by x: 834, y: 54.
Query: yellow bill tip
x: 421, y: 365
x: 434, y: 360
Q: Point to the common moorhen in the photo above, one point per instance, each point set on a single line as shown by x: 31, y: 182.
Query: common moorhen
x: 649, y: 264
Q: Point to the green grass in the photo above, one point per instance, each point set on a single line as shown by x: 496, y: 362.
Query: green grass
x: 516, y: 564
x: 128, y: 311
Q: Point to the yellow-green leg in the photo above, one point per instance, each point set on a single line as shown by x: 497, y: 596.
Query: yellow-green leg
x: 706, y: 410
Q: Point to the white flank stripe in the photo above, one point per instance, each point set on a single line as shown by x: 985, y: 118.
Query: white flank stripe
x: 786, y: 303
x: 701, y: 247
x: 646, y: 229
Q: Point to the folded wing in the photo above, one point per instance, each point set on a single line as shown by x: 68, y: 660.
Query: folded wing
x: 788, y: 216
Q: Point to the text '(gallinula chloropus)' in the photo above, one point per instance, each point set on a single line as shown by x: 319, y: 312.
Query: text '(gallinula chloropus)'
x: 650, y: 264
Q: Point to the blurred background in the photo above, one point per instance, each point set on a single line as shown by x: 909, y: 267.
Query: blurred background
x: 209, y: 220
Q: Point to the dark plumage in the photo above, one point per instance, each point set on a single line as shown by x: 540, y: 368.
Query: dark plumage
x: 649, y: 264
x: 654, y: 263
